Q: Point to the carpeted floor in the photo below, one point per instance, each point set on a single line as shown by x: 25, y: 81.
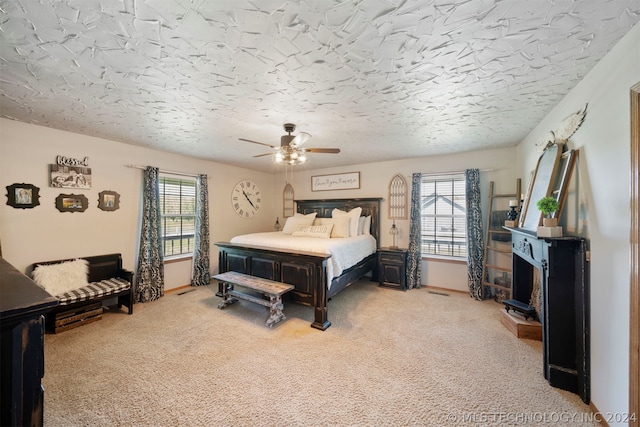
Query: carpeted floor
x: 390, y: 358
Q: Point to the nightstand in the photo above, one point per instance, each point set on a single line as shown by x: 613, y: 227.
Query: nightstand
x: 392, y: 264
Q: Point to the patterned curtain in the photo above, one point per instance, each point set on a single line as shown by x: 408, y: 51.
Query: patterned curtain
x: 414, y: 262
x: 475, y: 241
x: 201, y: 274
x: 150, y: 274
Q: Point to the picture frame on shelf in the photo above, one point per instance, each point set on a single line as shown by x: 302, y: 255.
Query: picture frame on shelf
x: 72, y: 203
x: 23, y: 196
x: 108, y: 200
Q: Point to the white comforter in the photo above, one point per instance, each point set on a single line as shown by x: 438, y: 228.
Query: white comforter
x: 345, y: 252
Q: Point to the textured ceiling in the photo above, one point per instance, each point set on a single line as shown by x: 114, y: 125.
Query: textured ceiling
x: 379, y: 79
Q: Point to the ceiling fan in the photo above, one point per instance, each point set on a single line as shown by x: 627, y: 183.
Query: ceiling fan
x: 289, y: 151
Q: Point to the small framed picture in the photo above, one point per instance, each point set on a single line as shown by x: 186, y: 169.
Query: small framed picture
x: 108, y: 200
x: 72, y: 203
x: 23, y: 196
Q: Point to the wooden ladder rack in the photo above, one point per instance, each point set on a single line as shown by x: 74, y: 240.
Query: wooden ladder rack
x: 492, y: 247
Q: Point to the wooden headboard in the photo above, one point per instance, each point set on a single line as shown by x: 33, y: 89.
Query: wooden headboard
x: 370, y: 206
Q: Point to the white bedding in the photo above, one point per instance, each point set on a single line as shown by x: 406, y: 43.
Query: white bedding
x: 345, y: 252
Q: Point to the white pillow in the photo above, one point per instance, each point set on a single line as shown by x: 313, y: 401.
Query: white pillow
x: 298, y: 220
x: 366, y: 229
x: 361, y: 225
x: 323, y: 231
x: 340, y: 225
x: 63, y: 277
x: 353, y: 215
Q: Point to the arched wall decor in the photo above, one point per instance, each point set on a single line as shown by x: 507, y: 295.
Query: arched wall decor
x: 398, y: 197
x: 288, y: 207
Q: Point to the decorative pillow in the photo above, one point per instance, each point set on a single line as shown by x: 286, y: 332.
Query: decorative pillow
x: 353, y: 215
x: 361, y: 221
x: 340, y: 225
x: 323, y: 231
x: 63, y: 277
x: 298, y: 220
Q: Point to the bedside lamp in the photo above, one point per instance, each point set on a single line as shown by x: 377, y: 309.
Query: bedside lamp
x: 394, y: 232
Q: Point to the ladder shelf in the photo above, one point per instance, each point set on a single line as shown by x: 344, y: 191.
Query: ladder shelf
x: 495, y: 245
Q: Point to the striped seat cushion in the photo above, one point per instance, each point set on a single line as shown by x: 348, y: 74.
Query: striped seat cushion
x: 94, y: 290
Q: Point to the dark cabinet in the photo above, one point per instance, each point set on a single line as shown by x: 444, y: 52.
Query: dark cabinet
x: 392, y: 264
x: 22, y: 305
x: 559, y: 265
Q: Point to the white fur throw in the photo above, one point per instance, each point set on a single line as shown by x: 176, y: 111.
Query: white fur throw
x: 63, y: 277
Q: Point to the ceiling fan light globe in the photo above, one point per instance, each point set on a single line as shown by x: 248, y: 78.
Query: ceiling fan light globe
x: 302, y: 158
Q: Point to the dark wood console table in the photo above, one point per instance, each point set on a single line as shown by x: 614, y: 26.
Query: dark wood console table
x: 562, y: 271
x: 22, y: 305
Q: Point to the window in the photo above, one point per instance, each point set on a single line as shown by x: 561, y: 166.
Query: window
x: 444, y: 223
x: 177, y: 211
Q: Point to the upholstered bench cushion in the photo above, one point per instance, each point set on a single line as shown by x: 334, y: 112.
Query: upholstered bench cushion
x: 94, y: 290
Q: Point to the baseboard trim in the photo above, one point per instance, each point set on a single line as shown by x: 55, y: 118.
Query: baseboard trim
x: 179, y: 288
x: 599, y: 418
x: 440, y: 289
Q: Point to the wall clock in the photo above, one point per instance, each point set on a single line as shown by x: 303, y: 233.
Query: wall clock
x: 246, y: 198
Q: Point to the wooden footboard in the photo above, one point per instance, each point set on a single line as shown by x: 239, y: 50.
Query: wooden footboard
x: 306, y: 271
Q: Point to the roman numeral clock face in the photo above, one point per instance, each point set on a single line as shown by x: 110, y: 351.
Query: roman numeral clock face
x: 246, y: 198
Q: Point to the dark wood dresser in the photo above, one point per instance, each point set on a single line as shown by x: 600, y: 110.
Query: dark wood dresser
x: 22, y: 305
x: 559, y: 265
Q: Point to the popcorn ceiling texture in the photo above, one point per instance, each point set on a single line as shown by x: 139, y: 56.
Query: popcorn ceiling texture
x: 379, y: 79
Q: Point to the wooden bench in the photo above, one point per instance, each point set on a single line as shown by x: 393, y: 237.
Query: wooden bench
x: 273, y: 290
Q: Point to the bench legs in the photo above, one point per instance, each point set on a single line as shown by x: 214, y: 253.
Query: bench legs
x: 275, y: 309
x: 275, y: 303
x: 226, y: 298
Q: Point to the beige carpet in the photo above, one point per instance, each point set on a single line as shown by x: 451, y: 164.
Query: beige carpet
x: 390, y: 358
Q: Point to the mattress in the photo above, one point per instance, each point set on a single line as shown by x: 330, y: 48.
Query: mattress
x: 345, y: 252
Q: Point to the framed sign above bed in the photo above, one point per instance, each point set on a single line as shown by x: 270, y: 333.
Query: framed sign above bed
x: 339, y: 181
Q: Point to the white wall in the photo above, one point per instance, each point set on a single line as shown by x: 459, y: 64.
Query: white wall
x: 374, y: 182
x: 601, y: 209
x: 43, y: 233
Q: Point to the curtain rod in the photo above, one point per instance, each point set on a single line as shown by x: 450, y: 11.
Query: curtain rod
x: 193, y: 175
x: 453, y: 172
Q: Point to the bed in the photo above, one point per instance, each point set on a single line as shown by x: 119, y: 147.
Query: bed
x: 308, y: 271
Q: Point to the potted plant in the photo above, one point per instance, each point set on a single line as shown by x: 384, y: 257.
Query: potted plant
x: 548, y: 206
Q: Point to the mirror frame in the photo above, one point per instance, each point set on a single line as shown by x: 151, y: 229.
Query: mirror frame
x: 541, y: 185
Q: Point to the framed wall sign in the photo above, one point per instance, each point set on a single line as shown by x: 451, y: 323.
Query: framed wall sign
x: 340, y: 181
x: 72, y: 203
x: 23, y: 196
x: 108, y: 200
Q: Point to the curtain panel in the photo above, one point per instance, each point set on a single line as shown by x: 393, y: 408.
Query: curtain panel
x: 201, y: 252
x: 475, y: 239
x: 150, y: 272
x: 414, y: 261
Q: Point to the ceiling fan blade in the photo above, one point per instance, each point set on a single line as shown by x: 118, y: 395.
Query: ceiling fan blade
x: 300, y: 139
x: 256, y: 142
x: 322, y: 150
x: 262, y: 155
